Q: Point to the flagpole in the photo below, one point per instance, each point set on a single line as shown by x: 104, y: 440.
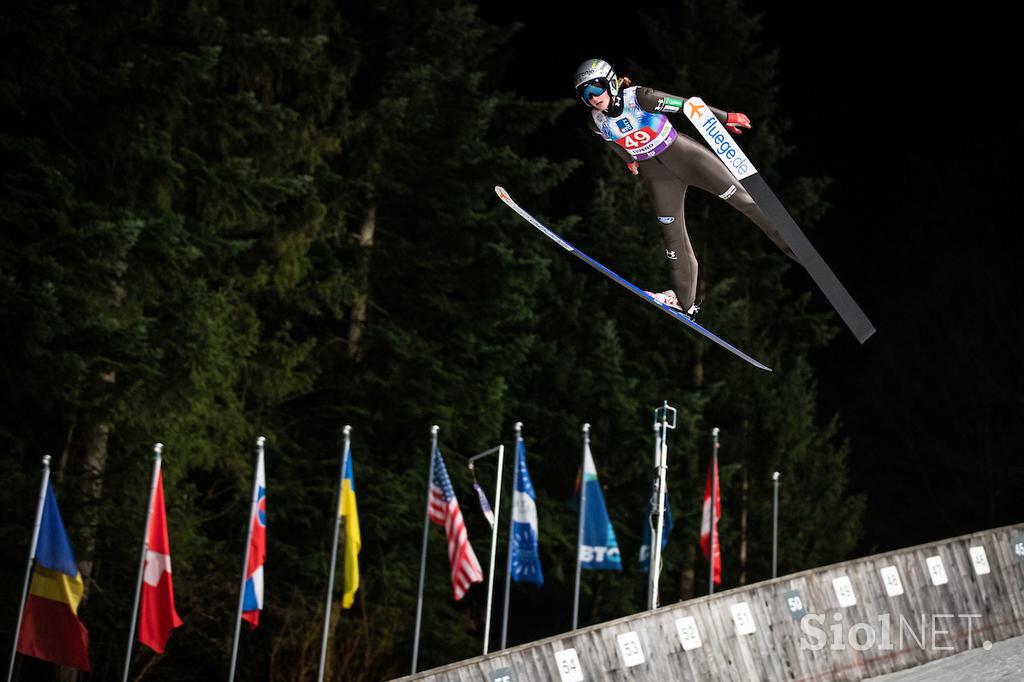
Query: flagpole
x: 245, y: 563
x: 654, y: 569
x: 714, y: 501
x: 511, y: 520
x: 347, y: 433
x: 494, y: 537
x: 423, y: 553
x: 31, y: 559
x: 579, y: 533
x: 157, y: 460
x: 775, y: 525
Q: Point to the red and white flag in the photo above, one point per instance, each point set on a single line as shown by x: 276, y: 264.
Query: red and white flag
x: 157, y: 616
x: 705, y: 522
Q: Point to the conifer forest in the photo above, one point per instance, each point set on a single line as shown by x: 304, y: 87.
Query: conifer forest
x: 223, y: 220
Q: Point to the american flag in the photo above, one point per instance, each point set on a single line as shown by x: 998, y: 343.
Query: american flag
x: 444, y: 511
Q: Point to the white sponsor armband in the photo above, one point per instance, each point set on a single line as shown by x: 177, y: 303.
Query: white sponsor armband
x: 721, y: 142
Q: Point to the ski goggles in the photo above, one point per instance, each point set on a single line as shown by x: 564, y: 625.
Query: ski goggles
x: 591, y: 90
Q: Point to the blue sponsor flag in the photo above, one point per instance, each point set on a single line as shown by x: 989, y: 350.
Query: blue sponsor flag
x: 600, y: 550
x: 649, y: 519
x: 525, y: 555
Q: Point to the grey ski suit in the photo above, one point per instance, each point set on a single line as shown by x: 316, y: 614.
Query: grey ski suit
x: 673, y: 164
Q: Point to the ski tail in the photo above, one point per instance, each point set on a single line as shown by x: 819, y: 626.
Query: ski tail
x: 729, y: 153
x: 820, y: 272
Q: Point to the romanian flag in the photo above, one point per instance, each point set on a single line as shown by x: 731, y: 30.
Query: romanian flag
x: 353, y: 541
x: 50, y: 628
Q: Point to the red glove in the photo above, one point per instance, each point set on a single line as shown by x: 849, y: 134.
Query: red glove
x: 633, y: 167
x: 737, y: 121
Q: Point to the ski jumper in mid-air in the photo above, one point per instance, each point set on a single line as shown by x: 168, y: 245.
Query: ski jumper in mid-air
x: 632, y: 120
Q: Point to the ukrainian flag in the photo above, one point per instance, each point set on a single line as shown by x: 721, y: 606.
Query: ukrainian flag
x: 353, y: 541
x: 50, y: 628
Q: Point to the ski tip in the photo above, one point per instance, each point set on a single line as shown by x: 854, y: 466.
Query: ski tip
x: 503, y: 195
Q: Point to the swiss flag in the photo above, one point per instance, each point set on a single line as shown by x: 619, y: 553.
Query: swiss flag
x: 157, y: 616
x: 705, y: 521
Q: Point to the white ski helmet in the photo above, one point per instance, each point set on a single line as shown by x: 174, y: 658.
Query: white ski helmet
x: 597, y: 73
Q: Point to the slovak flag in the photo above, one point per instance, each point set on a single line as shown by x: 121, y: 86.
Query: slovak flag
x: 252, y: 603
x: 157, y: 616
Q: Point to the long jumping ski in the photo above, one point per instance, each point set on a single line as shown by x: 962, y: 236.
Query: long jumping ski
x: 629, y: 285
x: 722, y: 144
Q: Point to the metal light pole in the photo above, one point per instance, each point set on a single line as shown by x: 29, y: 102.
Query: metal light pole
x: 657, y: 457
x: 654, y: 569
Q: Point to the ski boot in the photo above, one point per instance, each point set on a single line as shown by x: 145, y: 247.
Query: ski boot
x: 670, y: 299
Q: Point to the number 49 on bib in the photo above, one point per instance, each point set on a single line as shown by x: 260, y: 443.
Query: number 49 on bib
x: 637, y: 138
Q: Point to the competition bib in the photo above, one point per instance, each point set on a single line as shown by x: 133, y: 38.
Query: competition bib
x: 643, y: 134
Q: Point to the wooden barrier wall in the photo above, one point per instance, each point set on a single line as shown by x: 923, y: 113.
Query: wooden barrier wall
x: 847, y: 621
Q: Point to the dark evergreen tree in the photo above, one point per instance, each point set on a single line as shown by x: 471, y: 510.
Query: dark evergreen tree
x: 449, y: 319
x: 170, y: 284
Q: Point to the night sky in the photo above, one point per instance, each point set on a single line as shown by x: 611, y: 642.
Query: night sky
x: 909, y: 113
x: 903, y: 111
